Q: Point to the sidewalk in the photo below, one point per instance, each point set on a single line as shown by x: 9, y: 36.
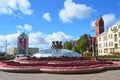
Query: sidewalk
x: 107, y: 75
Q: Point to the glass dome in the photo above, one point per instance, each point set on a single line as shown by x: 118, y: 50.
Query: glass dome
x: 56, y: 53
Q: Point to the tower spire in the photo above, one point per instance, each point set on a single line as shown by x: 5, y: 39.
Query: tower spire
x: 99, y: 24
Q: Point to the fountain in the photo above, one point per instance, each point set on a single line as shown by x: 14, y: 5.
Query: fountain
x: 57, y: 60
x: 56, y: 51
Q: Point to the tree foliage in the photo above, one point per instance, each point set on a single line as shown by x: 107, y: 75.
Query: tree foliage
x: 68, y: 45
x: 74, y: 48
x: 83, y: 43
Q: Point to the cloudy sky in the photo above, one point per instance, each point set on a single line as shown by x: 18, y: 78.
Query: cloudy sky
x: 47, y: 20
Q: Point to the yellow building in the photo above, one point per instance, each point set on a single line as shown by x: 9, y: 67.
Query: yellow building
x: 109, y: 41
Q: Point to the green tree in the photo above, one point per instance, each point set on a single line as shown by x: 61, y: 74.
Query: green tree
x: 83, y: 43
x: 74, y: 48
x: 68, y: 45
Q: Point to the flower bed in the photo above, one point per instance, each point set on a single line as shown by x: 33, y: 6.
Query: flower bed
x: 66, y: 64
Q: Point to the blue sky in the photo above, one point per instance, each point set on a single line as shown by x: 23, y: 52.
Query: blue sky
x: 47, y: 20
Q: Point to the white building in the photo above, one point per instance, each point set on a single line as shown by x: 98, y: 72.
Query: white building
x: 14, y: 51
x: 109, y: 41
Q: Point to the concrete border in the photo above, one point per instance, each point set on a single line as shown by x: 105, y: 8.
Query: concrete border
x: 59, y: 71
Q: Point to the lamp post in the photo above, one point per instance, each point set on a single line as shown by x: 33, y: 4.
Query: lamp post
x: 93, y: 47
x: 6, y: 46
x: 93, y: 50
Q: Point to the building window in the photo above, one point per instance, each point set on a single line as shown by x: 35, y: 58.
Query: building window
x: 119, y: 26
x: 119, y: 42
x: 99, y: 39
x: 111, y: 43
x: 111, y: 36
x: 99, y: 51
x: 115, y: 37
x: 119, y: 34
x: 104, y: 44
x: 105, y: 51
x: 104, y: 38
x: 116, y: 46
x: 99, y: 45
x: 111, y: 50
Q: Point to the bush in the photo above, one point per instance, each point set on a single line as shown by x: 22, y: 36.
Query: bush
x: 109, y: 56
x: 87, y: 54
x: 115, y: 53
x: 2, y: 57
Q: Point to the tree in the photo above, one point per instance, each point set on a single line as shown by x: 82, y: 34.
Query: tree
x: 74, y: 48
x: 68, y: 45
x: 83, y: 43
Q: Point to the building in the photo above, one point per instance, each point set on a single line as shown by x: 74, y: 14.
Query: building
x: 22, y: 46
x: 22, y: 43
x: 14, y: 51
x: 109, y: 41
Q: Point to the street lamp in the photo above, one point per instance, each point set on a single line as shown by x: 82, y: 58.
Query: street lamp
x: 93, y: 51
x: 93, y: 47
x: 6, y: 45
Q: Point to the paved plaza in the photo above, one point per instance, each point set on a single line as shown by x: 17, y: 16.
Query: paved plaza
x: 107, y: 75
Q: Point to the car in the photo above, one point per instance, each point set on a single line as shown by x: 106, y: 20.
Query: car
x: 23, y: 56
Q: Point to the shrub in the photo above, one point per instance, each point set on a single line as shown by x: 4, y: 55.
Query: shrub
x: 87, y: 54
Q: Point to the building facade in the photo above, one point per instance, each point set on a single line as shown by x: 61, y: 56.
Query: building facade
x: 14, y: 51
x: 23, y: 43
x: 109, y: 41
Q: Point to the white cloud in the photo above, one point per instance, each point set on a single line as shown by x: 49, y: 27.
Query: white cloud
x: 11, y: 41
x: 72, y: 10
x: 36, y: 39
x: 109, y: 19
x: 26, y: 27
x: 59, y: 36
x: 10, y: 7
x: 47, y: 17
x: 43, y: 40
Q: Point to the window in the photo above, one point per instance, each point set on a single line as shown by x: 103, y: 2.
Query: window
x: 111, y: 43
x: 116, y: 46
x: 106, y: 44
x: 105, y: 51
x: 119, y: 26
x: 99, y: 39
x: 99, y: 45
x: 104, y: 38
x: 119, y: 42
x: 115, y: 37
x: 111, y: 36
x: 99, y: 51
x: 119, y: 34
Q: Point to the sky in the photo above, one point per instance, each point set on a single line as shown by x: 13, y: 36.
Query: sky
x: 47, y: 20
